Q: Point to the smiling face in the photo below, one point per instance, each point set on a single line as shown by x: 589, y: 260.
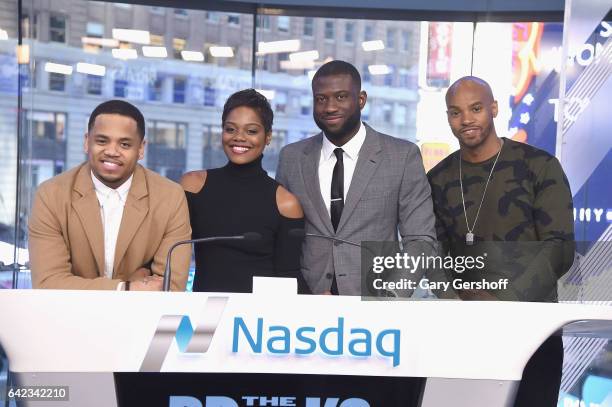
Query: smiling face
x: 244, y: 137
x: 471, y: 110
x: 337, y: 107
x: 113, y: 147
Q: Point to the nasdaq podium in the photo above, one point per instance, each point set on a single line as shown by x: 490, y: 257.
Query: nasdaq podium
x: 109, y: 348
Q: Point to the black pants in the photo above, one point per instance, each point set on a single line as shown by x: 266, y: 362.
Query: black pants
x: 542, y: 376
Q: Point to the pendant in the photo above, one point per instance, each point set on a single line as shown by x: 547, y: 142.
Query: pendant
x: 469, y: 238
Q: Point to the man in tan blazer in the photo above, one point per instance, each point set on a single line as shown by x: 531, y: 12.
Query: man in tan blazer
x: 108, y: 223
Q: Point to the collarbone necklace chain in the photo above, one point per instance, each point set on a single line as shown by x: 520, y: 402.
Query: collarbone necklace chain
x: 469, y: 236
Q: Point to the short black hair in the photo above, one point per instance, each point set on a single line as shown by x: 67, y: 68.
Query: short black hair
x: 122, y: 108
x: 253, y: 99
x: 338, y: 67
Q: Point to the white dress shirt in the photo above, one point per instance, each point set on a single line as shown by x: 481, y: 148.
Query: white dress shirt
x: 112, y: 202
x: 327, y: 161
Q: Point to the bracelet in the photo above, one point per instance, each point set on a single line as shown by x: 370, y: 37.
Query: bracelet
x: 127, y: 286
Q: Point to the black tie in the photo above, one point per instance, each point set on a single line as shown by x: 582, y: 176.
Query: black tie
x: 337, y: 189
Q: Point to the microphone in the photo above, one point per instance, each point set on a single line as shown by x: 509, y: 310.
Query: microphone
x: 248, y: 236
x: 301, y: 233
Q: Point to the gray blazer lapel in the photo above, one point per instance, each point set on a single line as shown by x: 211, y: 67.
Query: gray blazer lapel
x: 367, y: 163
x: 310, y: 174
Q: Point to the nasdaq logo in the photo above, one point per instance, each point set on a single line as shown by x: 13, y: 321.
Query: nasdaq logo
x: 188, y: 338
x: 336, y: 340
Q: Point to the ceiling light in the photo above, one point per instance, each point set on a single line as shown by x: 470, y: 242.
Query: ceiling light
x: 91, y: 69
x: 134, y: 36
x: 373, y: 45
x: 275, y: 47
x: 221, y: 52
x: 304, y: 56
x: 194, y: 56
x: 52, y: 67
x: 154, y: 52
x: 379, y: 69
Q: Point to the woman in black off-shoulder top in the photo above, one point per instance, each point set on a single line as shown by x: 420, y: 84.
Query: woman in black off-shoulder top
x: 240, y: 198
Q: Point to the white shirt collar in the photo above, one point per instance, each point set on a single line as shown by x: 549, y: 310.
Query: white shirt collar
x: 105, y: 190
x: 351, y: 148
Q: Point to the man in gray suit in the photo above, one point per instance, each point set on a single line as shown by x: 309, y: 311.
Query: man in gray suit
x: 354, y: 183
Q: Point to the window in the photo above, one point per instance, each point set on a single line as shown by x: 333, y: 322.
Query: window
x: 280, y: 101
x: 308, y: 26
x: 120, y: 88
x: 263, y: 22
x: 305, y: 103
x: 210, y: 95
x: 181, y: 13
x: 406, y: 40
x: 57, y: 82
x: 233, y: 19
x: 156, y: 40
x: 349, y: 32
x: 368, y: 34
x: 387, y: 112
x: 95, y: 30
x: 57, y: 28
x: 47, y: 125
x: 178, y: 44
x: 390, y: 75
x: 167, y: 134
x: 282, y: 24
x: 213, y: 16
x: 155, y: 89
x: 330, y: 31
x: 365, y: 73
x: 180, y: 85
x: 94, y: 85
x: 29, y: 25
x: 391, y: 38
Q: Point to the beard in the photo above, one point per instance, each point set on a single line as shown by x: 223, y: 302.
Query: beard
x: 350, y: 124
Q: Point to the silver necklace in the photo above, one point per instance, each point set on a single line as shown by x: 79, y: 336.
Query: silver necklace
x: 469, y: 236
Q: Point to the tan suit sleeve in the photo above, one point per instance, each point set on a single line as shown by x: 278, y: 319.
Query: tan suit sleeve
x: 50, y: 260
x: 177, y: 229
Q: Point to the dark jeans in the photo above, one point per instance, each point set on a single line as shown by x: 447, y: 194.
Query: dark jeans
x: 542, y: 376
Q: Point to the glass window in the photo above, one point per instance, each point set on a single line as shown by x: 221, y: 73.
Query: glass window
x: 263, y: 22
x: 308, y: 26
x: 405, y: 40
x: 57, y: 28
x: 94, y: 85
x: 349, y: 32
x: 180, y: 85
x: 29, y: 24
x: 213, y: 16
x: 391, y: 33
x: 95, y: 30
x: 178, y: 45
x: 167, y: 134
x: 57, y: 82
x: 330, y: 30
x: 47, y: 125
x: 233, y: 19
x: 282, y: 24
x: 120, y: 88
x: 181, y: 13
x: 156, y: 89
x: 368, y: 33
